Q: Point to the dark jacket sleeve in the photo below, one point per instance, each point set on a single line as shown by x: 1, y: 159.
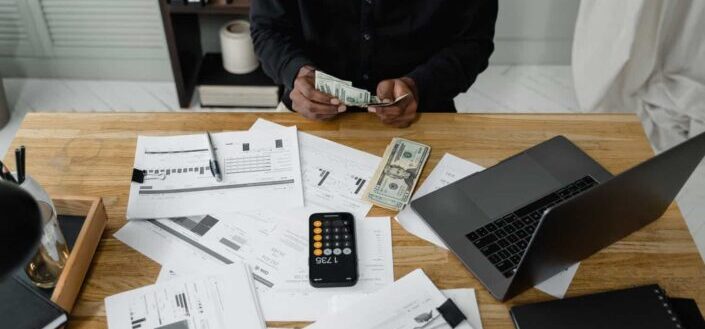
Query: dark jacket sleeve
x: 276, y: 34
x: 454, y: 68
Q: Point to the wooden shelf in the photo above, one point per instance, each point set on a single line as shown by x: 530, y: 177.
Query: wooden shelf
x: 182, y: 28
x: 237, y: 7
x: 212, y: 72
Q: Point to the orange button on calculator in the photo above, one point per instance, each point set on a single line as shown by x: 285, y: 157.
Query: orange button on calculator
x: 317, y: 238
x: 318, y: 252
x: 317, y: 223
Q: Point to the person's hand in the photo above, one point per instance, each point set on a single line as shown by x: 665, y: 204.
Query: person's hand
x: 400, y: 115
x: 311, y: 103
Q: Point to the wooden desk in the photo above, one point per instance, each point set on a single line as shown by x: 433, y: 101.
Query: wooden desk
x: 92, y: 154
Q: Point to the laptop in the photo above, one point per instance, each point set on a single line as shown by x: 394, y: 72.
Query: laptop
x: 537, y: 213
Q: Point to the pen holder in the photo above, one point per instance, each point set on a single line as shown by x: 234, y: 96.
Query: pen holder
x: 45, y: 267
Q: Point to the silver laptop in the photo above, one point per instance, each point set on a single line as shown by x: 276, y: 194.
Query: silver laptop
x: 533, y: 215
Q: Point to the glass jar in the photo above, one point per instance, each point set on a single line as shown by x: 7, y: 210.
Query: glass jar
x: 45, y: 267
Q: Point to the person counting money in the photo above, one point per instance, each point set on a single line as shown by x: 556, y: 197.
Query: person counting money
x: 428, y: 50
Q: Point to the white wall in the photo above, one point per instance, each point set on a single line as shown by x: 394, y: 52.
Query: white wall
x: 535, y: 31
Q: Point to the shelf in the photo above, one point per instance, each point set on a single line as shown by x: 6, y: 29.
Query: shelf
x: 219, y: 88
x: 212, y: 73
x: 219, y: 7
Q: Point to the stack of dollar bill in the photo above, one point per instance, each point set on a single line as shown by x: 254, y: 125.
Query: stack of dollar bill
x: 394, y: 181
x: 346, y: 93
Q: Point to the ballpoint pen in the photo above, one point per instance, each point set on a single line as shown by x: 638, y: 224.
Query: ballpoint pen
x: 215, y: 168
x: 18, y: 164
x: 23, y: 165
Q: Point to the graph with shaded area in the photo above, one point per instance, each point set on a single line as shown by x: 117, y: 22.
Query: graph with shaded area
x: 198, y: 225
x: 183, y: 324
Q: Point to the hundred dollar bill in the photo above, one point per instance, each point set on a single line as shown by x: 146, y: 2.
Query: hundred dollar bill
x: 346, y: 93
x: 394, y: 181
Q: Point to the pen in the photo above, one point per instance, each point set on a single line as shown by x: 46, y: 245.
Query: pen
x: 18, y: 164
x: 215, y: 168
x: 23, y: 165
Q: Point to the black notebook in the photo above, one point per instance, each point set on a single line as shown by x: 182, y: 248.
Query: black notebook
x: 23, y: 307
x: 645, y: 307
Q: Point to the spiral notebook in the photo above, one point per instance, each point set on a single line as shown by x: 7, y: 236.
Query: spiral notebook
x: 646, y: 307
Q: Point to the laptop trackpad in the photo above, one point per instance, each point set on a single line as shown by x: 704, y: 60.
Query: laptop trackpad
x: 510, y: 185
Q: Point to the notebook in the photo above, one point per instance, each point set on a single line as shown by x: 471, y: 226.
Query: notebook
x: 688, y: 312
x: 645, y: 307
x: 23, y: 307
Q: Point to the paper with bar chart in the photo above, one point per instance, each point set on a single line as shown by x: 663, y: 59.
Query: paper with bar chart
x: 209, y: 242
x: 261, y: 169
x: 216, y: 300
x: 276, y: 250
x: 334, y: 175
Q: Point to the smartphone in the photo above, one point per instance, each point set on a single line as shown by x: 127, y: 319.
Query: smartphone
x: 332, y: 260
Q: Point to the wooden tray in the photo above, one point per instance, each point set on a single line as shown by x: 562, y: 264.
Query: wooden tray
x: 71, y: 279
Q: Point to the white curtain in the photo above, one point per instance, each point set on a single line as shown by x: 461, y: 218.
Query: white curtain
x: 644, y: 56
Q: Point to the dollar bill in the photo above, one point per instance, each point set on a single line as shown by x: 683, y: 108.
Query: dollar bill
x: 393, y: 183
x: 324, y: 76
x: 379, y: 103
x: 342, y: 90
x: 346, y: 93
x: 352, y: 96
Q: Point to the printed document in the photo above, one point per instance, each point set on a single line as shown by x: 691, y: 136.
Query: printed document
x: 466, y: 301
x: 464, y: 298
x: 219, y: 300
x: 334, y: 175
x: 449, y: 170
x: 212, y: 241
x: 261, y: 169
x: 411, y: 302
x: 296, y: 300
x: 276, y: 248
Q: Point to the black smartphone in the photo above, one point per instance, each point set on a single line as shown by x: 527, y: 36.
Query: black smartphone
x: 332, y: 260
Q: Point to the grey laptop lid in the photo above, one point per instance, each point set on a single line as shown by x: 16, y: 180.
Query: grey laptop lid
x: 472, y: 202
x: 582, y: 226
x: 575, y: 229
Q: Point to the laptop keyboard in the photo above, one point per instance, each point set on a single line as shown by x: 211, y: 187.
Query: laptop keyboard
x: 504, y: 240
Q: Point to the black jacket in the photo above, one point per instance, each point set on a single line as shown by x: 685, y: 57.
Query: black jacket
x: 441, y: 44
